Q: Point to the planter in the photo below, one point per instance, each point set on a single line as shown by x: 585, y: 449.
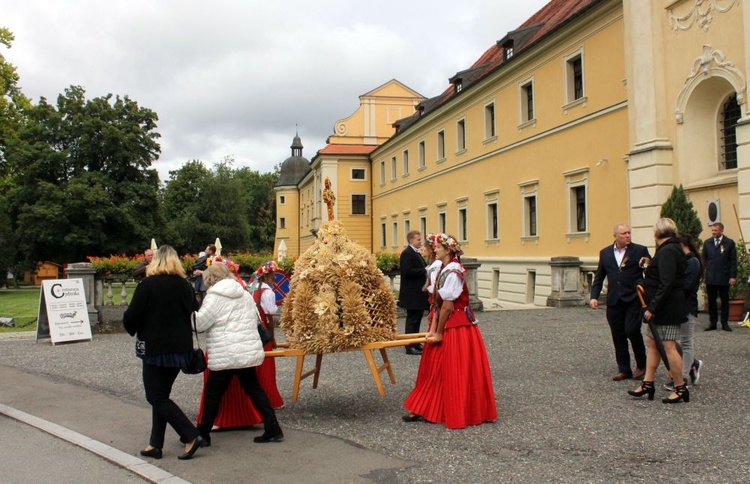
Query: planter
x: 736, y: 310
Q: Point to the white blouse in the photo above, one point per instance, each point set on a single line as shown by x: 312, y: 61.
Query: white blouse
x: 268, y: 300
x: 453, y: 286
x: 432, y: 271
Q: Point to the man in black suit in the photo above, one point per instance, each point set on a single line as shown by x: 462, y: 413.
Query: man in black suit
x: 411, y: 295
x: 622, y: 264
x: 720, y: 259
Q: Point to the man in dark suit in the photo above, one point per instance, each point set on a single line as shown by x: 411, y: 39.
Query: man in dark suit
x: 139, y: 272
x: 411, y: 295
x: 622, y: 264
x: 720, y: 259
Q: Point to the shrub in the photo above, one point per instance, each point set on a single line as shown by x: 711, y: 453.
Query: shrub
x: 387, y: 261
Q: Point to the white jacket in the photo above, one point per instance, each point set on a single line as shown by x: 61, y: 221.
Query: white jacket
x: 230, y: 319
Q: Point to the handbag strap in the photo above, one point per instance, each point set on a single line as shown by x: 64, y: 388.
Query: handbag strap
x: 195, y: 330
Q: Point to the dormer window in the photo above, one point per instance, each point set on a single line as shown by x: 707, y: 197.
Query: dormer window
x: 457, y: 86
x: 508, y: 47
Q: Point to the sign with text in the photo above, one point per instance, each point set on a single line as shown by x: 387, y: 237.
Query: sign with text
x: 63, y: 314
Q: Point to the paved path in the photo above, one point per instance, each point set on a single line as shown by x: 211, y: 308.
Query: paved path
x: 561, y: 417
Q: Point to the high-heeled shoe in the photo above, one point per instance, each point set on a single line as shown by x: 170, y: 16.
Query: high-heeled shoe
x: 682, y: 394
x: 152, y: 452
x: 646, y: 388
x: 410, y: 417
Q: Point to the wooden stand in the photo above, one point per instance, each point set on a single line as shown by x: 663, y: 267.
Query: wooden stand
x: 401, y: 340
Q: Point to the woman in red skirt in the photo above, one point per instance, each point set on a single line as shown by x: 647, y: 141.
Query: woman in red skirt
x: 456, y: 387
x: 265, y: 299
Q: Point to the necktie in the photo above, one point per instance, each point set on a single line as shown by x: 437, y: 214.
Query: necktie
x: 716, y: 242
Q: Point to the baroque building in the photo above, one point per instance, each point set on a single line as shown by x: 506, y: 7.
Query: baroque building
x: 583, y: 117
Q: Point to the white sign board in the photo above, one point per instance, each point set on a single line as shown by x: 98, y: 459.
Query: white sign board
x: 63, y: 314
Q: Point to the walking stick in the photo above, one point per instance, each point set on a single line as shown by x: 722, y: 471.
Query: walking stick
x: 657, y: 339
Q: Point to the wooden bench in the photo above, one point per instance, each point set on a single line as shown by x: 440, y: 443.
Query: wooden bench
x: 401, y: 340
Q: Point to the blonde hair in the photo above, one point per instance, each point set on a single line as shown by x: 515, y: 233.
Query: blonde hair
x: 165, y: 262
x: 216, y: 272
x: 665, y: 228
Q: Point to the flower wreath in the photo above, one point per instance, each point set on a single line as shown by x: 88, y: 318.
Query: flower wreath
x: 447, y: 242
x: 266, y: 268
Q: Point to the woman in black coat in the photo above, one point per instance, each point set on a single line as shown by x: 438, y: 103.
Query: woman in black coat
x: 159, y: 318
x: 666, y: 308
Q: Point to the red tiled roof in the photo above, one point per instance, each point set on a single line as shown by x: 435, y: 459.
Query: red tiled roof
x: 549, y: 17
x: 347, y: 150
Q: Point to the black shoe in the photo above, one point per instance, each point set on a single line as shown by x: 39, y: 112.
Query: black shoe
x: 197, y: 444
x: 726, y: 327
x: 646, y: 388
x: 154, y: 453
x: 711, y: 328
x: 683, y: 394
x: 411, y: 350
x: 410, y: 417
x: 275, y: 435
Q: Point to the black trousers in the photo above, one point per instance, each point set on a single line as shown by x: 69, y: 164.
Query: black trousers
x: 723, y: 292
x: 624, y: 320
x: 158, y: 381
x: 413, y: 320
x: 216, y: 386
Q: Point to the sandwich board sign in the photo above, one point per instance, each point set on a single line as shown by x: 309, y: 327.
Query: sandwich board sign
x: 63, y: 314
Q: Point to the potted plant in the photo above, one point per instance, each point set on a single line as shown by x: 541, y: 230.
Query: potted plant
x: 739, y: 294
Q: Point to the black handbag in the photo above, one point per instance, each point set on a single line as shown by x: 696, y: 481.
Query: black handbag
x: 265, y: 334
x: 197, y: 363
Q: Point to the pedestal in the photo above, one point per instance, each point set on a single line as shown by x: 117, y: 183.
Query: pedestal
x: 565, y: 282
x: 471, y: 266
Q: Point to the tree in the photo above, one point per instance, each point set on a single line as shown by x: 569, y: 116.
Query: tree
x: 680, y: 209
x: 82, y: 178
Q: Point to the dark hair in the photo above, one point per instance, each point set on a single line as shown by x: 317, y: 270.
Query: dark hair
x: 212, y: 247
x: 687, y: 241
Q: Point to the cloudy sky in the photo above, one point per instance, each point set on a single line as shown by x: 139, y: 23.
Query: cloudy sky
x: 235, y: 78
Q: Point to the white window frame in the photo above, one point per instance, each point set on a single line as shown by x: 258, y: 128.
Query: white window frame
x: 383, y: 234
x: 394, y: 232
x: 523, y: 103
x: 382, y: 172
x: 461, y: 135
x: 423, y: 224
x: 351, y: 204
x: 394, y: 168
x: 575, y: 179
x: 421, y: 155
x: 441, y: 145
x: 492, y: 198
x: 569, y: 79
x: 405, y: 162
x: 282, y: 222
x: 529, y: 189
x: 364, y: 173
x: 490, y: 121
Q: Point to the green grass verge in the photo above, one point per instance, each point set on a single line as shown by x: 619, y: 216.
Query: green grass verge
x: 23, y: 305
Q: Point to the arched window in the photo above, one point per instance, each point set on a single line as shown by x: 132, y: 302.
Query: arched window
x: 730, y: 114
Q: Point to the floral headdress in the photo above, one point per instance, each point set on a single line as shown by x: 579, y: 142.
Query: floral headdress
x: 431, y: 239
x: 447, y: 242
x: 266, y: 268
x: 233, y: 267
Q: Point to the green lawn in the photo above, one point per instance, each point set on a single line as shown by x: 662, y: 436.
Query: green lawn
x: 23, y: 305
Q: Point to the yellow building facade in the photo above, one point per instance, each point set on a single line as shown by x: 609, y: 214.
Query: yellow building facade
x: 585, y: 116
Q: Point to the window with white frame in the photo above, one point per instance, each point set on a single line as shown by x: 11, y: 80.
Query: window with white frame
x: 282, y: 223
x: 405, y: 159
x: 489, y: 120
x: 394, y: 232
x: 358, y: 174
x: 421, y: 154
x: 441, y: 145
x: 461, y: 134
x: 577, y: 183
x: 526, y: 94
x: 359, y: 204
x: 574, y: 77
x: 382, y: 172
x: 423, y: 224
x: 463, y: 224
x: 393, y: 168
x: 282, y: 199
x: 383, y: 241
x: 492, y: 220
x: 441, y: 221
x: 407, y: 227
x: 530, y: 213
